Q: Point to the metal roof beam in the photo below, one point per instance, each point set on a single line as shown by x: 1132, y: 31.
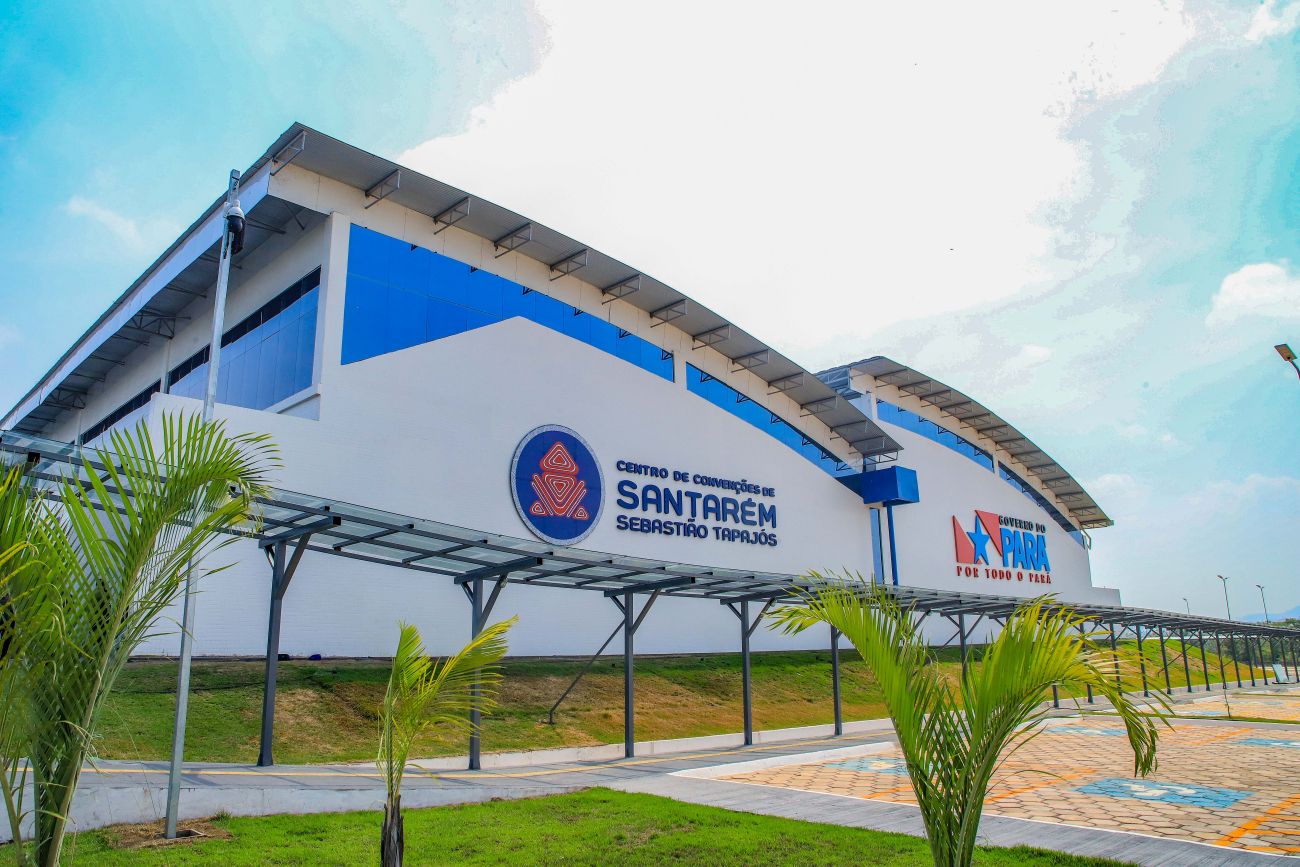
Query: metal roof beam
x: 451, y: 216
x: 622, y: 288
x: 752, y: 360
x: 785, y: 383
x: 712, y: 336
x: 384, y: 188
x: 669, y: 312
x: 298, y: 531
x: 289, y: 152
x: 513, y: 240
x: 498, y: 570
x: 652, y: 586
x: 569, y: 264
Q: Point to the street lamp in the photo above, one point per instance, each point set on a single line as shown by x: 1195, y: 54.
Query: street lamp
x: 1288, y: 356
x: 1226, y: 604
x: 1262, y: 599
x: 232, y: 241
x: 1188, y: 604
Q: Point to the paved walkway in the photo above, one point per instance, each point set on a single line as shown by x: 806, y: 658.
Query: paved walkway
x: 1233, y: 781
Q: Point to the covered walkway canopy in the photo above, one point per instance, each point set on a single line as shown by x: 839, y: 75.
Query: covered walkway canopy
x: 483, y: 563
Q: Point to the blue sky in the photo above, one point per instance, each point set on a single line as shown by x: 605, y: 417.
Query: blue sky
x: 1087, y: 220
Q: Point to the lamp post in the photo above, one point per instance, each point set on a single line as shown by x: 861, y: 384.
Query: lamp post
x: 1226, y: 604
x: 1288, y: 356
x: 1188, y: 604
x: 1265, y: 601
x: 232, y: 241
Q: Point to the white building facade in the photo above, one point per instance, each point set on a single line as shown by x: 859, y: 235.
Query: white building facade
x: 412, y: 348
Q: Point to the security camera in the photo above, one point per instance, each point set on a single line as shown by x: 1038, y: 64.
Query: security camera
x: 235, y: 225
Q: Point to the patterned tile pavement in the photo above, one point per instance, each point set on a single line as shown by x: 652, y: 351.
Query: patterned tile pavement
x: 1227, y: 784
x: 1269, y: 706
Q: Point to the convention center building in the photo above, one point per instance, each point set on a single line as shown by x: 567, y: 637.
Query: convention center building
x: 418, y: 351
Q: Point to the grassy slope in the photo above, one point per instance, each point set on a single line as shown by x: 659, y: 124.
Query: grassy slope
x: 325, y: 710
x: 597, y: 826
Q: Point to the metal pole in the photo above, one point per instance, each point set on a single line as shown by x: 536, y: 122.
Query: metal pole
x: 265, y: 757
x: 961, y: 636
x: 1187, y: 666
x: 1114, y: 655
x: 1164, y: 660
x: 187, y: 617
x: 475, y: 627
x: 1142, y: 661
x: 835, y: 680
x: 1250, y: 659
x: 1218, y: 651
x: 1263, y: 666
x: 1205, y: 665
x: 1083, y: 635
x: 1236, y: 664
x: 1295, y: 659
x: 893, y: 551
x: 1056, y: 696
x: 747, y: 697
x: 629, y: 697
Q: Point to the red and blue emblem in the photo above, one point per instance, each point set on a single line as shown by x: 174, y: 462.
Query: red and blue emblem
x: 557, y: 484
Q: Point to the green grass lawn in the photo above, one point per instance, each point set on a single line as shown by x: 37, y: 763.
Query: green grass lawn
x: 326, y: 710
x: 596, y: 827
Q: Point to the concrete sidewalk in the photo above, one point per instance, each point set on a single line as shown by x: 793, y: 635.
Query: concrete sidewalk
x: 118, y: 792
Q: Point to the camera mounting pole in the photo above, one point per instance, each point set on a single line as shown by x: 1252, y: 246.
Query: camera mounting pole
x: 232, y: 241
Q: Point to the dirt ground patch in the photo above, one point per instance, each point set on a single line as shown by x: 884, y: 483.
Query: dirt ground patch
x: 149, y: 835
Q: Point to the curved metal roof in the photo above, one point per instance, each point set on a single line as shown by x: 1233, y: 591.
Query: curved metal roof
x: 445, y: 205
x: 973, y: 414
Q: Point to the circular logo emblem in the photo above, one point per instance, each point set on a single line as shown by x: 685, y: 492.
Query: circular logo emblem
x: 556, y: 484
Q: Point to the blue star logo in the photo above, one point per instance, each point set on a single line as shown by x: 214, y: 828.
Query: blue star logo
x: 979, y: 539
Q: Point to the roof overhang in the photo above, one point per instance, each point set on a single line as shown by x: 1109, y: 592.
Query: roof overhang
x: 181, y: 269
x: 1078, y: 503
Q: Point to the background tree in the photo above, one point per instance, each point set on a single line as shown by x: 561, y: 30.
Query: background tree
x: 954, y: 739
x: 110, y: 549
x: 423, y: 693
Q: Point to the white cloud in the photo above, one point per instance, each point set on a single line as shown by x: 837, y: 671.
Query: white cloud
x: 851, y: 153
x: 1143, y: 434
x: 1273, y: 18
x: 1263, y: 289
x: 123, y: 228
x: 1031, y: 354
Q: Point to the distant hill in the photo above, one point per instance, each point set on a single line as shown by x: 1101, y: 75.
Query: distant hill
x: 1274, y: 615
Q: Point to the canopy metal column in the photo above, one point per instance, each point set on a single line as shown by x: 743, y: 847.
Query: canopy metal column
x: 1164, y: 661
x: 1142, y: 659
x: 283, y: 567
x: 1205, y: 665
x: 472, y: 583
x: 835, y: 681
x: 746, y: 631
x: 1250, y: 659
x: 1187, y: 666
x: 625, y: 600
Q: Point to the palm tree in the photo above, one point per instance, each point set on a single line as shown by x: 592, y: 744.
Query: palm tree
x: 22, y: 518
x: 110, y: 549
x: 954, y: 739
x: 423, y: 693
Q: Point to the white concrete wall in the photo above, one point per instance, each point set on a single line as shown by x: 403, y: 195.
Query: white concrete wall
x: 429, y: 431
x: 953, y: 485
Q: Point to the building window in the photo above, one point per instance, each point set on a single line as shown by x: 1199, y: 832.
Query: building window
x: 909, y: 420
x: 401, y: 295
x: 120, y: 413
x: 265, y: 357
x: 722, y: 395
